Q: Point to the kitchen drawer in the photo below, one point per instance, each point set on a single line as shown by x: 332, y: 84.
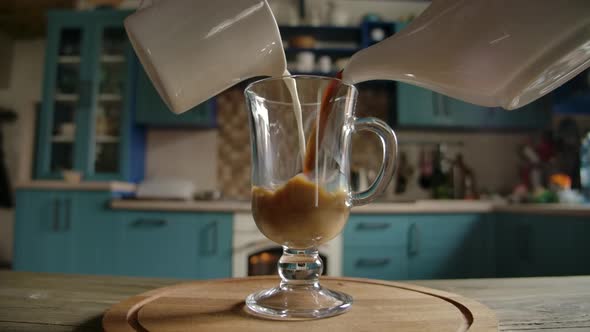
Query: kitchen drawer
x: 376, y: 230
x: 449, y: 246
x: 375, y: 262
x: 448, y: 232
x: 154, y: 244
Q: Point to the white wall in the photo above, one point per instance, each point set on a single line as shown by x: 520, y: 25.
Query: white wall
x: 23, y: 92
x: 187, y: 154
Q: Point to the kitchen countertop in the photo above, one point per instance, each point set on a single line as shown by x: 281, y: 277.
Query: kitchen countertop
x: 83, y: 185
x: 418, y: 207
x: 53, y: 302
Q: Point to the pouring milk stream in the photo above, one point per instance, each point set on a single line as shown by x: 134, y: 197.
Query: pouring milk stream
x: 489, y: 52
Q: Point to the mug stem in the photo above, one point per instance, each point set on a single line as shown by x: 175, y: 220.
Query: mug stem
x: 300, y: 267
x: 388, y: 164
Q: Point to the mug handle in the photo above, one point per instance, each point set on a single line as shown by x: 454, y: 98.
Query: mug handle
x: 388, y: 164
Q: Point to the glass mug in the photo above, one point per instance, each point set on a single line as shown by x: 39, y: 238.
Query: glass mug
x: 301, y: 208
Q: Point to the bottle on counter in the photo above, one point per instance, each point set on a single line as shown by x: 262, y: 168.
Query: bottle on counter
x: 442, y: 183
x: 464, y: 186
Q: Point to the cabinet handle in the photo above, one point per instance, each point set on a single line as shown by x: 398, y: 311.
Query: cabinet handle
x: 210, y: 242
x: 413, y: 240
x: 68, y: 213
x: 441, y: 102
x: 372, y: 262
x: 373, y: 225
x: 149, y: 223
x: 435, y: 104
x: 56, y: 206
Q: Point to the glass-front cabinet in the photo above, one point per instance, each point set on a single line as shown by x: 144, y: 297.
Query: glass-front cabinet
x: 86, y: 119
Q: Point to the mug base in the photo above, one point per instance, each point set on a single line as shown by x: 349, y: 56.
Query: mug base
x: 297, y: 302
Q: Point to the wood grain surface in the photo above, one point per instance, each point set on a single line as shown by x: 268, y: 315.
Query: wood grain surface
x: 56, y: 302
x: 219, y: 306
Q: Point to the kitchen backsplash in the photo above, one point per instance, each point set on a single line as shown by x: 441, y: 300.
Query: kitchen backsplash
x: 233, y: 150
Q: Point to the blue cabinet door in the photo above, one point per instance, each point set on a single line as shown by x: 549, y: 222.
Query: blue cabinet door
x: 152, y: 111
x: 94, y: 227
x: 424, y: 108
x: 155, y: 244
x: 536, y: 115
x: 537, y: 245
x: 374, y: 247
x: 180, y: 245
x: 418, y: 106
x: 375, y: 262
x: 43, y: 242
x: 449, y: 246
x: 85, y: 122
x: 64, y: 231
x: 376, y: 230
x: 214, y: 245
x: 458, y: 113
x: 65, y: 95
x: 109, y: 134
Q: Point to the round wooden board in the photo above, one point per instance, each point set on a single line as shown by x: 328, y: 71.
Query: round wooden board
x: 218, y: 305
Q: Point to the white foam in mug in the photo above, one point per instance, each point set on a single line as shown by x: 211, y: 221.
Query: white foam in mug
x: 194, y: 49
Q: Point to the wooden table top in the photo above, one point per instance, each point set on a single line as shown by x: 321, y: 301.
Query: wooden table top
x: 57, y: 302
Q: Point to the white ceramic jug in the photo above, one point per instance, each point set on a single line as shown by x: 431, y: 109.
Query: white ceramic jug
x: 194, y: 49
x: 489, y: 52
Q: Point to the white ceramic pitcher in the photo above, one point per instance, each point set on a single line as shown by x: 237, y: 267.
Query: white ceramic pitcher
x: 489, y: 52
x: 193, y: 49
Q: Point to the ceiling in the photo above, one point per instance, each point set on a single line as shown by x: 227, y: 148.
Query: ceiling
x: 25, y: 19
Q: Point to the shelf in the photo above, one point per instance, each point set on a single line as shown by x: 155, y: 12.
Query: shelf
x: 62, y: 139
x: 336, y: 52
x: 109, y: 97
x: 69, y: 97
x: 71, y: 139
x: 323, y: 32
x: 69, y: 59
x: 112, y: 59
x: 107, y: 139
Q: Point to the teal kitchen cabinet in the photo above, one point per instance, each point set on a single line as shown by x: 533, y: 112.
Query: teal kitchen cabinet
x: 62, y: 231
x: 43, y: 240
x: 180, y: 245
x: 537, y: 245
x: 374, y: 247
x: 76, y: 232
x: 152, y: 111
x: 375, y: 262
x: 450, y: 246
x: 536, y: 115
x: 419, y: 246
x: 419, y: 107
x: 95, y: 231
x: 85, y: 123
